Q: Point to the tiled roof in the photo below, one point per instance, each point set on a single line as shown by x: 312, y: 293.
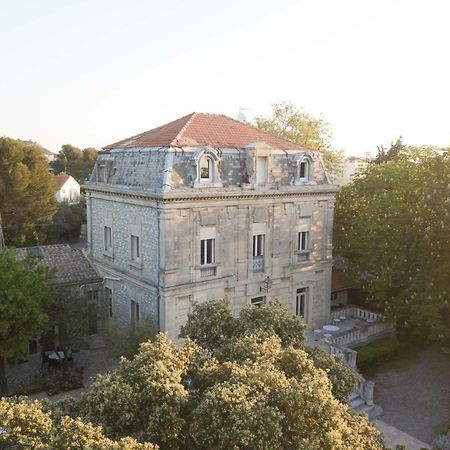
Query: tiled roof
x: 339, y: 281
x: 200, y: 130
x: 71, y: 264
x: 61, y: 180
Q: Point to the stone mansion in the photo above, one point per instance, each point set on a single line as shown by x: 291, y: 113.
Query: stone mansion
x: 208, y: 207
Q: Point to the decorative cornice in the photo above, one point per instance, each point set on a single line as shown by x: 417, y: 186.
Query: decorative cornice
x: 203, y: 196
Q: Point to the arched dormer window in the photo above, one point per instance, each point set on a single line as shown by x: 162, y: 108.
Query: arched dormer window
x: 206, y: 162
x: 303, y: 173
x: 206, y: 167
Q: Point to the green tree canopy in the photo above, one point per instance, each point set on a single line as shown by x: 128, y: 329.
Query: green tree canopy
x: 26, y: 192
x: 24, y: 299
x: 213, y: 327
x: 75, y: 162
x: 301, y: 127
x: 392, y: 226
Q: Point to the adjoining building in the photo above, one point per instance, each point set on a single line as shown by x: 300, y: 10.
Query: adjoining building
x: 208, y: 207
x: 67, y: 189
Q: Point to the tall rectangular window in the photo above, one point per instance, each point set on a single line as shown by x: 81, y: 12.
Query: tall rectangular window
x: 301, y: 302
x: 108, y: 239
x: 258, y: 252
x: 135, y: 250
x: 207, y: 251
x: 303, y: 241
x: 134, y: 312
x: 109, y: 300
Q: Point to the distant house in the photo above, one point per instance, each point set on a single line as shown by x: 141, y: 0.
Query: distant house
x: 68, y: 189
x: 350, y: 168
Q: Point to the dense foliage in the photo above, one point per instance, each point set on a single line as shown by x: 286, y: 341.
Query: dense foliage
x: 24, y: 298
x: 301, y: 127
x: 27, y: 191
x: 66, y: 224
x: 255, y: 390
x: 392, y: 225
x: 75, y: 162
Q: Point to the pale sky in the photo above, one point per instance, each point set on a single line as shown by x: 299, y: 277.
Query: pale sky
x: 91, y: 72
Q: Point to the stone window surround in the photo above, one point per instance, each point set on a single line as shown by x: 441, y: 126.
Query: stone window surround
x: 309, y: 176
x: 135, y: 229
x: 214, y: 177
x: 108, y: 222
x: 306, y: 305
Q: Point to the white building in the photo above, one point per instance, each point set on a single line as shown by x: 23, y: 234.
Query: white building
x: 208, y: 207
x: 350, y: 168
x: 68, y: 189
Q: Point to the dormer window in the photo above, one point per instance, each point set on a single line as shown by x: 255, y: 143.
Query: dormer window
x: 206, y: 162
x: 205, y: 168
x: 303, y: 170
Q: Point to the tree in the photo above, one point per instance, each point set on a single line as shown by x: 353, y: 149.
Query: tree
x: 392, y: 226
x: 75, y: 162
x: 66, y: 224
x: 27, y: 191
x: 27, y: 425
x: 301, y: 127
x: 264, y: 396
x: 385, y: 155
x: 213, y: 327
x: 24, y: 299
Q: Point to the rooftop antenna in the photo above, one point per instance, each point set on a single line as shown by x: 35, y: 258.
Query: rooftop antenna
x: 241, y: 116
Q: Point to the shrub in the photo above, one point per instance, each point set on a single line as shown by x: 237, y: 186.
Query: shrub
x: 376, y: 352
x: 442, y: 443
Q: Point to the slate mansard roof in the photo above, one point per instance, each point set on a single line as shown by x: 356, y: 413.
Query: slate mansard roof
x: 201, y: 130
x: 166, y: 159
x: 71, y: 264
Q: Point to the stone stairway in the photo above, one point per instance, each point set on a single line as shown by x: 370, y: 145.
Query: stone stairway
x: 359, y: 405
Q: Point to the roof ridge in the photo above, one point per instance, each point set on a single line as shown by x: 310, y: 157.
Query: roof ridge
x: 263, y: 131
x: 175, y: 140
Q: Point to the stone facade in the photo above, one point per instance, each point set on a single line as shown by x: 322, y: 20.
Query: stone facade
x: 165, y: 234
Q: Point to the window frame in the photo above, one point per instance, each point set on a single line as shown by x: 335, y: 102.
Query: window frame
x: 105, y: 239
x: 301, y: 293
x: 258, y: 302
x: 135, y: 313
x: 303, y: 241
x: 210, y: 168
x: 135, y: 248
x: 207, y: 251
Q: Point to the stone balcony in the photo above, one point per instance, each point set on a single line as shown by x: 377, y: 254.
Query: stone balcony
x: 350, y: 326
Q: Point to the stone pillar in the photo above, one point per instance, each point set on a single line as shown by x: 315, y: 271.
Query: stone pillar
x: 368, y: 392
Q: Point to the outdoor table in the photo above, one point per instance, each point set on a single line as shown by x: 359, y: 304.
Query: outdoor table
x: 56, y: 355
x: 330, y: 328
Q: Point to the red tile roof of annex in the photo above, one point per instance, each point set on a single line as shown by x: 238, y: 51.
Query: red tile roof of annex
x: 200, y: 130
x: 60, y: 180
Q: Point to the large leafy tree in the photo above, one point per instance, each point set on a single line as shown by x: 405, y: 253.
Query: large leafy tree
x: 301, y: 127
x: 24, y: 299
x: 75, y: 162
x: 392, y: 226
x: 26, y: 192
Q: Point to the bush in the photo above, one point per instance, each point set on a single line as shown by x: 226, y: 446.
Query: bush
x: 442, y: 443
x: 376, y: 352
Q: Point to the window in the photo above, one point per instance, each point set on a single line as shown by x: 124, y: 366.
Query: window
x: 207, y: 251
x: 134, y: 312
x: 303, y: 170
x: 108, y: 239
x: 258, y: 252
x: 101, y: 174
x: 135, y: 250
x: 258, y: 302
x: 303, y: 241
x: 205, y: 169
x: 334, y: 296
x: 109, y: 300
x: 300, y: 302
x: 261, y: 171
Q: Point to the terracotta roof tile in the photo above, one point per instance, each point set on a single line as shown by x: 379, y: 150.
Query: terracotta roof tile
x: 200, y: 130
x: 71, y: 264
x: 60, y: 180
